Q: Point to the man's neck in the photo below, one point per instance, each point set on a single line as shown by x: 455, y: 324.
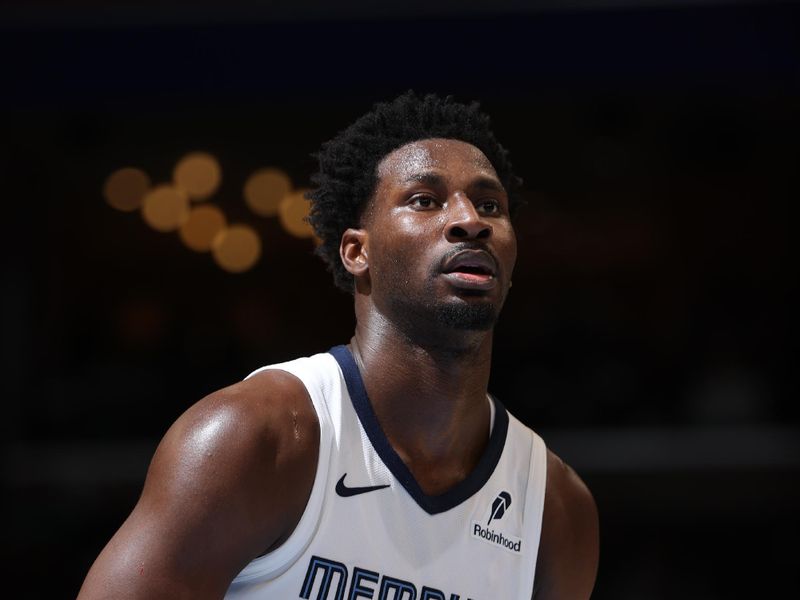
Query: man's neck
x: 429, y: 397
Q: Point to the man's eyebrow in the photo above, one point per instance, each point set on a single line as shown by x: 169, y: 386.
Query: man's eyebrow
x: 489, y: 184
x: 426, y: 178
x: 433, y: 179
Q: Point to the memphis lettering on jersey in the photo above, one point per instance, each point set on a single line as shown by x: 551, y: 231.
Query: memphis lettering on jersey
x: 330, y: 579
x: 510, y: 543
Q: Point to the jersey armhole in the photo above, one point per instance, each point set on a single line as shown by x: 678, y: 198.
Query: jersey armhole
x: 534, y: 510
x: 276, y: 562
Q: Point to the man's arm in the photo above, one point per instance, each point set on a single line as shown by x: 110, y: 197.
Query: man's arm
x: 570, y: 544
x: 229, y: 481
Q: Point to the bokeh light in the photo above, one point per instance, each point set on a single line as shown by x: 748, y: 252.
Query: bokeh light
x: 165, y: 208
x: 293, y: 211
x: 203, y: 224
x: 125, y: 188
x: 198, y: 174
x: 264, y: 190
x: 236, y: 248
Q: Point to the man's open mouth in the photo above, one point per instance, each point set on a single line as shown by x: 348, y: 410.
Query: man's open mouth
x: 474, y: 269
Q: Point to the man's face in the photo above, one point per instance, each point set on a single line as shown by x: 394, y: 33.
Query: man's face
x: 440, y: 243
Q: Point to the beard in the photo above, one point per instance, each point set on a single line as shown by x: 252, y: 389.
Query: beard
x: 465, y: 316
x: 423, y: 310
x: 424, y: 314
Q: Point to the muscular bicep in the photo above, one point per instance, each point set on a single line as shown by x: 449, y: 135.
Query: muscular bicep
x: 569, y: 548
x: 224, y: 485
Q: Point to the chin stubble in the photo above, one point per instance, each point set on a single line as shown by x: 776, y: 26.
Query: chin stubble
x: 463, y: 316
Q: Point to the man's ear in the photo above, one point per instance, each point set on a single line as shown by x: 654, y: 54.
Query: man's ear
x: 354, y: 252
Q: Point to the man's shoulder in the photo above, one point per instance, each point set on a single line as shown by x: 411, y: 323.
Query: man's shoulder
x: 229, y: 480
x: 568, y: 551
x: 241, y: 444
x: 565, y: 486
x: 267, y: 410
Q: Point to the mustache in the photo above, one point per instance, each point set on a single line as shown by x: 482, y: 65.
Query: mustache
x: 461, y: 247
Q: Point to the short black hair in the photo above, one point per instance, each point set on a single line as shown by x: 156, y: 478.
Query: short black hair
x: 348, y: 163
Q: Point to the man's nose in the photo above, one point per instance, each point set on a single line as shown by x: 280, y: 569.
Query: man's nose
x: 464, y: 221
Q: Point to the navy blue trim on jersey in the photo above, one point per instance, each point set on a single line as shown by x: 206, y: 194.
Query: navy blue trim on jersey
x: 430, y: 504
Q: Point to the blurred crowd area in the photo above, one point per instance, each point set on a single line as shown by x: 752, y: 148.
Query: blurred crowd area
x: 649, y: 334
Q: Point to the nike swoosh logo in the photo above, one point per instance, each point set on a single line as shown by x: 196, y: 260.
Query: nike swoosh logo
x: 346, y: 492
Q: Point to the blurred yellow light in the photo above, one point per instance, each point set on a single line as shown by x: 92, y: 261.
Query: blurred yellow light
x: 203, y: 224
x: 265, y: 189
x: 165, y: 208
x: 198, y: 174
x: 292, y: 212
x: 125, y: 188
x: 237, y: 248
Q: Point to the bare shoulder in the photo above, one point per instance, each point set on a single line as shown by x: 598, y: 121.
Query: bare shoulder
x: 254, y: 443
x: 267, y: 415
x: 569, y: 547
x: 229, y: 480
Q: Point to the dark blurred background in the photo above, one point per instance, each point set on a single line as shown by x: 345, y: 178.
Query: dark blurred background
x: 650, y: 336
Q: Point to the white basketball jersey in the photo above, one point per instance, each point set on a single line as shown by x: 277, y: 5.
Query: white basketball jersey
x: 369, y: 531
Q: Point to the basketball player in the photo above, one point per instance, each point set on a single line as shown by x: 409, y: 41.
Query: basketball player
x: 380, y: 469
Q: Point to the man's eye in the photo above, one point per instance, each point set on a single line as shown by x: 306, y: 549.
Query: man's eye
x: 422, y: 201
x: 489, y: 207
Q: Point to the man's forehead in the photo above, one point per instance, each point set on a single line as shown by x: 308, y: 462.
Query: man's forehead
x: 432, y: 154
